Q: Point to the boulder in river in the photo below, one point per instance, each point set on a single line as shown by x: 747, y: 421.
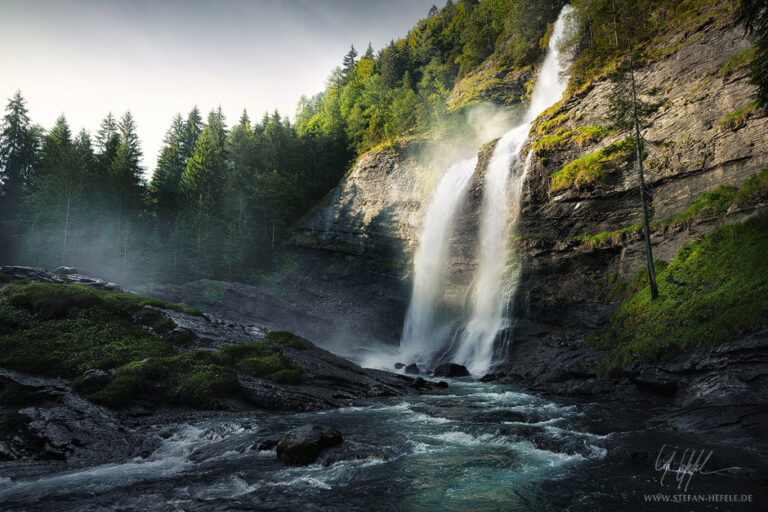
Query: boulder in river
x: 302, y: 445
x: 399, y: 365
x: 451, y: 370
x: 412, y: 369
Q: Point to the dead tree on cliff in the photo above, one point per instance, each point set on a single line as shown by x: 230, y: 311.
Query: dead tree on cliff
x: 628, y: 113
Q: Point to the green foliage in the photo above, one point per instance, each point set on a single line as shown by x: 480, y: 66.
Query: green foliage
x: 753, y: 16
x: 287, y: 339
x: 715, y: 289
x: 594, y: 168
x: 714, y: 203
x: 193, y: 378
x: 623, y: 291
x: 610, y: 238
x: 603, y: 29
x: 737, y: 119
x: 406, y: 87
x: 563, y: 139
x: 197, y: 377
x: 739, y: 62
x: 63, y: 330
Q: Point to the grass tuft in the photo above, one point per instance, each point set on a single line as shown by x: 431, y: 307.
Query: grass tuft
x: 594, y: 167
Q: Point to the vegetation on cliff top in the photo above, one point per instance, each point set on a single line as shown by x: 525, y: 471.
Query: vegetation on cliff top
x: 715, y: 289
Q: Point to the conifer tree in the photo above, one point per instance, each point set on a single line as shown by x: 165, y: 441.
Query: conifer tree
x: 18, y: 151
x: 107, y: 130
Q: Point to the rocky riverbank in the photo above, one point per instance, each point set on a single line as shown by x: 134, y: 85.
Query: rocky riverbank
x: 82, y: 418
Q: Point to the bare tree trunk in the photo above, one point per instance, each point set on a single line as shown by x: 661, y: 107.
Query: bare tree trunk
x: 615, y: 30
x: 125, y: 249
x: 66, y: 230
x: 643, y: 196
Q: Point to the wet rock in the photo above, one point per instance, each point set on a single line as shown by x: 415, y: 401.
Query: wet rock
x: 419, y: 383
x: 302, y: 445
x: 399, y: 366
x: 451, y: 370
x: 66, y: 270
x: 91, y: 381
x: 442, y: 384
x: 269, y: 444
x: 412, y: 369
x: 489, y: 377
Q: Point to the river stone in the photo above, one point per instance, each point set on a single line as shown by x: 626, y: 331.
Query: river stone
x: 413, y: 369
x: 302, y: 445
x: 399, y: 365
x: 92, y: 381
x: 451, y: 370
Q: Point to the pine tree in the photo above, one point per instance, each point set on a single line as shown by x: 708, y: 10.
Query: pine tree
x: 18, y: 151
x: 349, y: 64
x: 52, y: 199
x: 107, y: 130
x: 192, y: 129
x: 368, y: 52
x: 201, y: 185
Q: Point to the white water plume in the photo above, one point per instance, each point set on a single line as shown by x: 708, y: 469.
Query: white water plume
x: 422, y: 336
x: 492, y: 290
x: 501, y: 201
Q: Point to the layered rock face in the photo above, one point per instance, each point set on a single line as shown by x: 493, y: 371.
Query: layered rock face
x: 373, y: 219
x: 691, y: 151
x: 372, y: 223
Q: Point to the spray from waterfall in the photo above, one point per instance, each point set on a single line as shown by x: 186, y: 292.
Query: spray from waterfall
x: 423, y: 337
x: 501, y: 201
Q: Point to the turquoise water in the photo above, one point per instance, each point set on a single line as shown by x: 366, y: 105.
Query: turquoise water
x: 484, y: 447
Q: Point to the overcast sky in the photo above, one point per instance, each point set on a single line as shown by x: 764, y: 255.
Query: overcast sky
x: 85, y: 58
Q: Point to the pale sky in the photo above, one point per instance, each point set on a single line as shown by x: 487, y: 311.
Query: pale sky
x: 85, y: 58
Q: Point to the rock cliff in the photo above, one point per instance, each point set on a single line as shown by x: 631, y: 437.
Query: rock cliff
x: 578, y: 235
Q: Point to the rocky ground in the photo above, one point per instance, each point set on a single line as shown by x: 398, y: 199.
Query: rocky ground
x: 43, y: 419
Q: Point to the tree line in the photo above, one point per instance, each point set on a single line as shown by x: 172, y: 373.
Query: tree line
x: 222, y: 199
x: 219, y: 202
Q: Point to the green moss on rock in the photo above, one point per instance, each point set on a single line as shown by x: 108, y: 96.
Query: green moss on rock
x: 714, y: 290
x: 594, y: 167
x: 287, y: 339
x: 193, y: 378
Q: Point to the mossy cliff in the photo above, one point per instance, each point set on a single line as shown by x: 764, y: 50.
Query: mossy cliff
x: 704, y: 165
x: 579, y: 228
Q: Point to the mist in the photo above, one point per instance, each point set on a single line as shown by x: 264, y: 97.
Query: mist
x: 86, y: 58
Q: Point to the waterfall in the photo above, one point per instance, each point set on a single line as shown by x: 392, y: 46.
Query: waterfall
x: 492, y: 289
x: 422, y: 335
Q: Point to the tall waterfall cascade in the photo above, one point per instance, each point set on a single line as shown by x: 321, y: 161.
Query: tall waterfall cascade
x: 473, y: 341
